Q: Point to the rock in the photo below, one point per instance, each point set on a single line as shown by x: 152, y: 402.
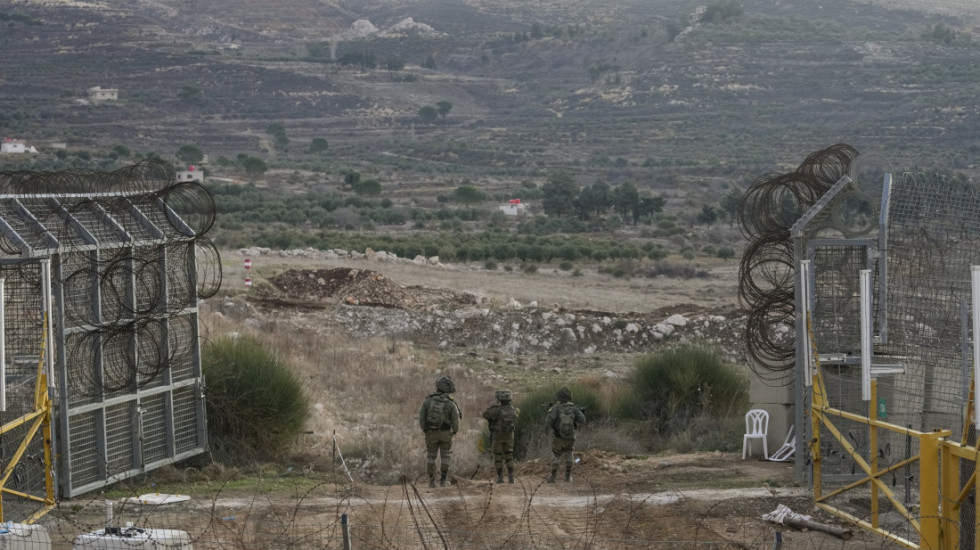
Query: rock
x: 677, y: 320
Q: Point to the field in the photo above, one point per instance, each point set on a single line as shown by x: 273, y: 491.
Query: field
x: 366, y: 390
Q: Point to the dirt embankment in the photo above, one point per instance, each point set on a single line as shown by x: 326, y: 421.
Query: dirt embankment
x: 367, y: 303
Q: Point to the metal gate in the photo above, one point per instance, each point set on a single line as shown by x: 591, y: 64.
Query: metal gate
x: 128, y: 262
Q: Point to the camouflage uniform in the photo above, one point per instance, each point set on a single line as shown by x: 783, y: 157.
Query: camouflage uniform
x: 439, y: 440
x: 562, y: 446
x: 502, y: 440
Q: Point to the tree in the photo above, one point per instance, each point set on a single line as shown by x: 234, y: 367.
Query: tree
x: 189, y: 93
x: 278, y: 133
x: 428, y: 113
x: 370, y: 188
x: 626, y: 199
x: 560, y: 194
x: 468, y: 194
x: 394, y: 63
x: 318, y: 145
x: 254, y: 166
x: 443, y: 107
x: 594, y: 200
x: 729, y: 203
x: 648, y: 206
x: 430, y: 62
x: 708, y: 215
x: 721, y: 10
x: 352, y: 178
x: 121, y: 151
x: 190, y: 154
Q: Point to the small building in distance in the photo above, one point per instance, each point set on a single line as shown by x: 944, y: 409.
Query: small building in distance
x: 513, y: 208
x: 98, y: 93
x: 16, y: 146
x: 191, y: 174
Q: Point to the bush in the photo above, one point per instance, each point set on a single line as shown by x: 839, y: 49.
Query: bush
x: 256, y: 406
x: 685, y: 383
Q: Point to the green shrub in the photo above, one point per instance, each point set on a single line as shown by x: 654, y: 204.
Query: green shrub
x: 256, y: 405
x: 684, y: 383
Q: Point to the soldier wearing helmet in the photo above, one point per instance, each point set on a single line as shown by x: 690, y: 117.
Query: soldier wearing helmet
x: 564, y: 418
x: 501, y: 418
x: 439, y: 419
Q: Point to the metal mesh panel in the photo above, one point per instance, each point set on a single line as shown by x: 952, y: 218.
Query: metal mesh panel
x: 84, y: 377
x: 131, y: 218
x: 119, y: 438
x: 28, y: 473
x: 27, y: 229
x: 94, y: 218
x: 154, y: 428
x: 122, y: 247
x: 934, y: 232
x: 837, y: 309
x: 179, y: 281
x: 185, y: 415
x: 182, y: 336
x: 84, y: 445
x: 922, y: 322
x: 79, y: 289
x: 50, y: 214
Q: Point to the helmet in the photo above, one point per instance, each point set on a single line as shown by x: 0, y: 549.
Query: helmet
x: 564, y: 395
x: 445, y: 385
x: 503, y: 395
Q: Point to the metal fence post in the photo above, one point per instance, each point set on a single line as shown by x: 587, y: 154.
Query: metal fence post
x: 345, y: 529
x: 778, y: 542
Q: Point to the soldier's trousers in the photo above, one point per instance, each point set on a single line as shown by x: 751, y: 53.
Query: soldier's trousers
x: 438, y: 442
x: 561, y: 448
x: 503, y: 450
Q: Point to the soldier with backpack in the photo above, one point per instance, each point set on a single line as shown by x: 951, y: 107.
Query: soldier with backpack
x: 501, y: 418
x: 563, y: 419
x: 439, y: 419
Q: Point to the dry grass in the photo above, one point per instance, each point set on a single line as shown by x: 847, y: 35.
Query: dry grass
x: 365, y: 396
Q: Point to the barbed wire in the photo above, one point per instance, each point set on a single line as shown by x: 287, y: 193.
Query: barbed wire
x: 134, y: 254
x: 767, y: 211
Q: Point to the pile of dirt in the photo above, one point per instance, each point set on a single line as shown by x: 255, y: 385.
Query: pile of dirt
x: 353, y: 286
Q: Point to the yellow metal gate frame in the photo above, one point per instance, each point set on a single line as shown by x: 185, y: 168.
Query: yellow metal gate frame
x: 939, y: 466
x: 38, y: 420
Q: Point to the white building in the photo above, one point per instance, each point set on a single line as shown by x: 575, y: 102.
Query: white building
x: 190, y: 174
x: 513, y: 208
x: 16, y: 146
x: 98, y: 93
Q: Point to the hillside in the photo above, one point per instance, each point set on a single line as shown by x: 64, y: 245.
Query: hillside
x: 603, y: 90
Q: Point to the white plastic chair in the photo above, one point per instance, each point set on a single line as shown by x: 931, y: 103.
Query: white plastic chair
x: 786, y: 452
x: 756, y: 427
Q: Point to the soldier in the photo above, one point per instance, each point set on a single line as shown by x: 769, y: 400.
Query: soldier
x: 439, y: 419
x: 563, y: 419
x: 501, y: 418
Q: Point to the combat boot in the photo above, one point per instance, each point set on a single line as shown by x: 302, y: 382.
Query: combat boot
x: 500, y: 475
x: 554, y: 471
x: 432, y: 481
x: 568, y: 473
x: 442, y: 480
x: 510, y: 475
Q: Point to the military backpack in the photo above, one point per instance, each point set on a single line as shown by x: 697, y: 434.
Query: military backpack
x: 437, y: 414
x: 506, y: 417
x: 565, y: 424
